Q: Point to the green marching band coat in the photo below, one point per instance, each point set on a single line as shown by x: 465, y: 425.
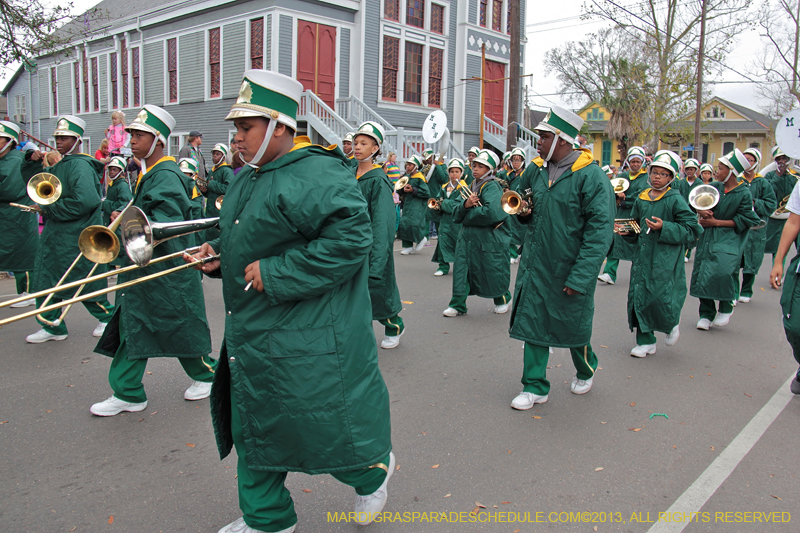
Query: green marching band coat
x: 658, y: 275
x: 448, y: 227
x: 685, y: 189
x: 77, y: 208
x: 719, y: 252
x: 20, y: 240
x: 623, y: 248
x: 790, y: 294
x: 118, y: 194
x: 377, y: 191
x: 413, y: 227
x: 300, y: 357
x: 782, y: 186
x: 516, y: 229
x: 482, y: 257
x: 438, y: 178
x: 764, y: 204
x: 164, y: 317
x: 218, y: 180
x: 569, y: 234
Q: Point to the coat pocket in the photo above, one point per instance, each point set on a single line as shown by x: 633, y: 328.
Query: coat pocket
x: 297, y: 343
x: 562, y: 269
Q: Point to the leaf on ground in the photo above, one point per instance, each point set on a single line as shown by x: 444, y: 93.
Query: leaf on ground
x: 633, y: 404
x: 435, y: 466
x: 111, y: 519
x: 536, y: 417
x: 604, y: 422
x: 141, y: 420
x: 762, y: 288
x: 423, y: 432
x: 509, y: 451
x: 4, y: 422
x: 517, y: 530
x: 776, y: 497
x: 709, y: 373
x: 479, y: 504
x: 149, y: 373
x: 308, y: 491
x: 73, y: 529
x: 71, y: 386
x: 691, y: 376
x: 712, y: 448
x: 50, y: 411
x: 447, y: 495
x: 409, y: 303
x: 475, y: 511
x: 599, y: 468
x: 603, y: 346
x: 634, y: 429
x: 594, y: 528
x: 506, y: 503
x: 398, y: 468
x: 190, y: 445
x: 558, y: 366
x: 675, y: 446
x: 749, y: 396
x: 154, y: 412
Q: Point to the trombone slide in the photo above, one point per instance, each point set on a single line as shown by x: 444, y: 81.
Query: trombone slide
x: 626, y: 225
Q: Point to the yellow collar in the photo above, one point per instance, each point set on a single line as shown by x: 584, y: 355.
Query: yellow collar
x: 223, y: 164
x: 634, y: 176
x: 645, y: 194
x: 374, y: 166
x: 141, y: 174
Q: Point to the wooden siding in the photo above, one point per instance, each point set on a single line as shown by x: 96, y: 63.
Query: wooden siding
x: 153, y: 63
x: 285, y: 44
x: 234, y: 62
x: 191, y: 67
x: 344, y: 63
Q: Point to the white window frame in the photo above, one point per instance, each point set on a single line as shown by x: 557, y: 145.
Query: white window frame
x: 177, y: 70
x: 86, y: 146
x: 182, y: 136
x: 207, y: 60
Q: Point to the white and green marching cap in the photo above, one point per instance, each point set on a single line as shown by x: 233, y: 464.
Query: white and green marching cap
x: 506, y: 156
x: 414, y: 160
x: 370, y: 129
x: 221, y: 148
x: 69, y: 126
x: 117, y: 161
x: 668, y: 160
x: 606, y: 169
x: 188, y: 166
x: 706, y: 166
x: 562, y: 123
x: 348, y: 138
x: 474, y: 150
x: 636, y: 151
x: 9, y: 130
x: 755, y: 152
x: 777, y: 152
x: 268, y: 94
x: 488, y: 158
x: 455, y: 163
x: 155, y: 120
x: 427, y: 153
x: 736, y: 161
x: 691, y: 163
x: 518, y: 151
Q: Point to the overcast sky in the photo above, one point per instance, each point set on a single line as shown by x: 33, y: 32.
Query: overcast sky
x: 553, y: 23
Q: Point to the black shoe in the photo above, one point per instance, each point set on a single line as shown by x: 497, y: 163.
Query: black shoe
x: 795, y: 386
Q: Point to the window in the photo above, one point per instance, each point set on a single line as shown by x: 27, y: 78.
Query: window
x: 508, y: 19
x: 135, y: 68
x: 257, y: 43
x: 391, y: 63
x: 85, y: 70
x: 715, y: 112
x: 435, y: 66
x: 213, y: 62
x: 95, y: 85
x: 482, y: 15
x: 112, y: 60
x: 391, y: 10
x: 54, y: 90
x: 415, y: 15
x: 21, y: 108
x: 727, y: 148
x: 172, y: 68
x: 413, y: 74
x: 595, y: 114
x: 174, y: 145
x: 755, y: 145
x: 77, y: 75
x: 437, y: 18
x: 497, y: 15
x: 123, y: 54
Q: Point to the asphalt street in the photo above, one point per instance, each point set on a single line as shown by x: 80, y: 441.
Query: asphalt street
x: 459, y: 446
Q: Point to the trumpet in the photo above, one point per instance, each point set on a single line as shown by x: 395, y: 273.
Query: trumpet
x: 218, y: 202
x: 200, y: 181
x: 704, y: 197
x: 511, y: 202
x: 44, y: 189
x: 401, y: 183
x: 28, y: 208
x: 434, y: 203
x: 465, y: 191
x: 626, y: 225
x: 782, y: 213
x: 620, y: 185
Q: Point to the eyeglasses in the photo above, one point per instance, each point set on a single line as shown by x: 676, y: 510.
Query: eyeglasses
x: 656, y: 174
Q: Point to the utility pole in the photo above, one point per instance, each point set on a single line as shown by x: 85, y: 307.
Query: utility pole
x: 483, y: 92
x: 699, y: 106
x: 513, y: 75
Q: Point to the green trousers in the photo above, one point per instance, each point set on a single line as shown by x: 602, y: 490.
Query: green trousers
x: 444, y: 267
x: 459, y: 303
x: 643, y: 338
x: 125, y: 375
x: 23, y: 280
x: 407, y: 244
x: 688, y: 253
x: 534, y: 371
x: 611, y: 268
x: 708, y: 308
x: 265, y: 501
x: 101, y: 310
x: 794, y: 342
x: 393, y: 326
x: 514, y: 250
x: 748, y: 280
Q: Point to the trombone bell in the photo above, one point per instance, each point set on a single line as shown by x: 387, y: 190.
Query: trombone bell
x: 218, y: 202
x: 44, y: 188
x: 99, y: 244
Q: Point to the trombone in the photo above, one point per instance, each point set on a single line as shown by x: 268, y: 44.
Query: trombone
x: 465, y: 191
x: 218, y: 202
x: 44, y: 189
x: 401, y: 183
x: 434, y: 203
x: 627, y: 225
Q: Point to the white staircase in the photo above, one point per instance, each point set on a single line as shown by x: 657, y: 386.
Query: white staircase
x: 495, y: 134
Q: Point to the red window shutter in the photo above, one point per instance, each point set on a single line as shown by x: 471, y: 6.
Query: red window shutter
x: 114, y: 86
x: 435, y: 68
x: 484, y: 9
x: 172, y: 68
x: 391, y: 10
x: 497, y: 15
x: 257, y: 43
x: 95, y: 85
x: 85, y: 69
x: 437, y: 18
x: 54, y: 90
x: 77, y: 75
x: 136, y: 77
x: 391, y: 64
x: 124, y: 73
x: 213, y: 61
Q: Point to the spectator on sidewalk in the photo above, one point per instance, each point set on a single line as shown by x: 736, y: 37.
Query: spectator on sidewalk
x: 192, y: 151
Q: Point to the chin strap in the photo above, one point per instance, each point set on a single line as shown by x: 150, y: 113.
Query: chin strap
x: 263, y: 148
x: 552, y: 148
x: 730, y: 173
x: 152, y: 147
x: 370, y: 158
x: 74, y: 146
x: 662, y: 188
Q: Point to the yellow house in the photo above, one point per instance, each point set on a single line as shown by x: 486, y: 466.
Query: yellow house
x: 605, y: 150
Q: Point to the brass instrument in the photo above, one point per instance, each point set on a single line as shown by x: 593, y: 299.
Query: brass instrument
x: 781, y: 213
x: 465, y: 191
x: 218, y: 202
x: 511, y: 202
x: 200, y: 181
x: 140, y: 236
x: 626, y: 225
x: 620, y: 185
x: 28, y: 208
x: 44, y: 189
x: 434, y: 203
x: 401, y: 183
x: 704, y: 197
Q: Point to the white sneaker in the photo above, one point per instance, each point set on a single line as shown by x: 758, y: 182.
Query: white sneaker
x: 743, y: 299
x: 368, y: 506
x: 514, y: 260
x: 23, y: 303
x: 406, y: 251
x: 685, y: 259
x: 390, y: 342
x: 704, y: 324
x: 114, y: 406
x: 500, y: 309
x: 605, y: 278
x: 42, y: 336
x: 421, y: 244
x: 733, y: 303
x: 643, y: 350
x: 525, y: 400
x: 580, y: 386
x: 451, y: 312
x: 550, y: 348
x: 197, y: 391
x: 438, y: 273
x: 238, y: 526
x: 673, y: 336
x: 722, y: 319
x: 98, y: 331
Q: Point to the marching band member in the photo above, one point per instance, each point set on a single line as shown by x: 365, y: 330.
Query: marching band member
x: 783, y: 180
x: 471, y: 155
x: 218, y: 180
x: 719, y: 252
x: 658, y: 276
x: 347, y: 148
x: 449, y: 201
x: 412, y: 229
x: 165, y: 317
x: 118, y: 194
x: 481, y: 265
x: 693, y: 180
x: 436, y: 176
x: 77, y: 208
x: 20, y: 241
x: 189, y: 169
x: 764, y: 204
x: 706, y: 173
x: 570, y: 231
x: 298, y: 388
x: 514, y: 227
x: 377, y: 191
x: 622, y: 249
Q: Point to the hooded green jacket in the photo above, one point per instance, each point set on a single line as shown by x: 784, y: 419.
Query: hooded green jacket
x: 377, y: 191
x: 782, y: 186
x: 20, y: 240
x: 790, y: 294
x: 571, y: 228
x: 164, y: 317
x: 764, y: 204
x: 515, y: 229
x: 657, y: 289
x: 219, y: 179
x: 77, y: 208
x: 719, y: 252
x: 301, y: 356
x: 413, y: 222
x: 623, y: 248
x: 448, y: 228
